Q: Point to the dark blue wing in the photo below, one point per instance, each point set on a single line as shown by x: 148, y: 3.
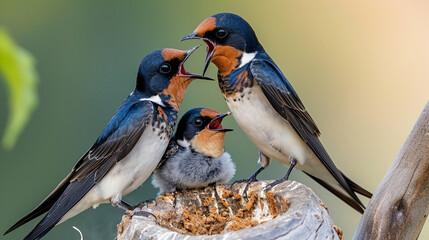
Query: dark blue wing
x: 281, y: 94
x: 114, y: 143
x: 286, y: 102
x: 117, y: 139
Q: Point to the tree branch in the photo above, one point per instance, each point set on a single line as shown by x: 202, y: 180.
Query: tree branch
x: 400, y: 205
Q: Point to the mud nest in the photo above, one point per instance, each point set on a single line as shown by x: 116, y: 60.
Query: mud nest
x: 222, y: 210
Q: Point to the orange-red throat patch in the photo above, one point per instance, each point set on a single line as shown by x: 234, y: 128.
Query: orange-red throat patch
x: 176, y: 90
x: 205, y: 26
x: 170, y: 53
x: 226, y: 58
x: 209, y: 142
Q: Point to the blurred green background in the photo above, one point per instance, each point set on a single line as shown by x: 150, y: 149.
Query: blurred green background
x: 361, y: 68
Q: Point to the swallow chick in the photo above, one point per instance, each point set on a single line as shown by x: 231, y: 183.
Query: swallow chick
x: 128, y: 149
x: 195, y: 156
x: 266, y: 106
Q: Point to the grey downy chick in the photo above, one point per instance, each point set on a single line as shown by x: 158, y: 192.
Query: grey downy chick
x: 195, y: 156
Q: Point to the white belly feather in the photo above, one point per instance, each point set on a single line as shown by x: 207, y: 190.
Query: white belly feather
x: 127, y: 174
x: 270, y: 132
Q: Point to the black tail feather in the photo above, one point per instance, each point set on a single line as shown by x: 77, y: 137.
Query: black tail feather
x: 33, y: 214
x: 42, y: 228
x: 357, y: 188
x: 354, y: 203
x: 70, y: 197
x: 43, y: 207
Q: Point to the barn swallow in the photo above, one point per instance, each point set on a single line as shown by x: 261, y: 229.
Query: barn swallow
x: 266, y: 106
x: 195, y: 156
x: 128, y: 149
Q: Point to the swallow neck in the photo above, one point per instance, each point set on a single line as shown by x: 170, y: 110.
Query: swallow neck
x: 235, y: 83
x: 175, y: 92
x: 155, y: 99
x: 209, y: 143
x: 246, y: 58
x: 140, y: 84
x: 226, y: 59
x: 183, y: 143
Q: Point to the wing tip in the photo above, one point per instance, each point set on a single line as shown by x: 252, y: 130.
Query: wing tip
x: 8, y: 231
x: 21, y: 222
x: 356, y: 188
x: 352, y: 200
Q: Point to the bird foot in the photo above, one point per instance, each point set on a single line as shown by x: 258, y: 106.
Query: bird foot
x: 248, y: 181
x: 238, y: 181
x: 141, y: 213
x: 286, y: 177
x: 274, y: 183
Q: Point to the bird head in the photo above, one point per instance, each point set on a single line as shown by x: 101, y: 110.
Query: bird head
x: 202, y: 129
x: 227, y: 36
x: 162, y: 73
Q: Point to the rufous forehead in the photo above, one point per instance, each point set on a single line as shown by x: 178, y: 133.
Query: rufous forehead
x: 206, y: 112
x: 169, y: 54
x: 207, y: 25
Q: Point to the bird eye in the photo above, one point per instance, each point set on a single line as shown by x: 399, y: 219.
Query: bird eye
x: 165, y: 68
x: 198, y: 121
x: 221, y: 33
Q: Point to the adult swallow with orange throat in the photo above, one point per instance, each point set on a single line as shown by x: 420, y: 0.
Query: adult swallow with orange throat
x: 195, y: 156
x: 128, y: 149
x: 266, y: 106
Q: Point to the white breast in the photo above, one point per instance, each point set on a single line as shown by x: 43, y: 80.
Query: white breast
x: 272, y: 134
x: 136, y: 167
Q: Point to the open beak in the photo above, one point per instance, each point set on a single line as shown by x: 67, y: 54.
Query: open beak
x: 216, y: 123
x: 210, y: 48
x: 184, y: 73
x: 191, y: 36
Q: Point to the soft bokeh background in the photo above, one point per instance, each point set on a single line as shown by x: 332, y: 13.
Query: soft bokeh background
x: 361, y: 68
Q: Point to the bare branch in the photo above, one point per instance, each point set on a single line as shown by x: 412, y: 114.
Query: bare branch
x: 400, y: 205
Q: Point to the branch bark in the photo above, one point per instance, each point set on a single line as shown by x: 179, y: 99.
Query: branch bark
x: 400, y: 205
x: 289, y: 211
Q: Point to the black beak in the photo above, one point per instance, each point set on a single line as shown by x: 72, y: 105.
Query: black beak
x: 189, y: 52
x: 219, y: 118
x: 183, y: 72
x: 223, y: 130
x: 191, y: 36
x: 210, y: 48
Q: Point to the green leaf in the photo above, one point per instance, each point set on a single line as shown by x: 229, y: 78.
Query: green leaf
x: 17, y: 67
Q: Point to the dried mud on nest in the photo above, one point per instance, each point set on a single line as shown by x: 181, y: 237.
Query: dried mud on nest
x: 197, y: 212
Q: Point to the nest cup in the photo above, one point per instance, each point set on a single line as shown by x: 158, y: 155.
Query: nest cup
x: 203, y: 214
